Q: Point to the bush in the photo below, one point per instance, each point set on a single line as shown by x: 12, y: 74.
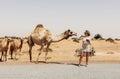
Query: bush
x: 110, y: 40
x: 98, y: 36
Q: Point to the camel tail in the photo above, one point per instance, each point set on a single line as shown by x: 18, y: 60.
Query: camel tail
x: 21, y: 45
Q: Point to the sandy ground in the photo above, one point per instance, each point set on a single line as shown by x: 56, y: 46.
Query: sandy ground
x: 63, y: 52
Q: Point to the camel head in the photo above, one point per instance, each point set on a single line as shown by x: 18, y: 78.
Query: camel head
x: 68, y: 33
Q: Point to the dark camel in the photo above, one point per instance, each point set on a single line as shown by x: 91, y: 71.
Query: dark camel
x: 15, y: 45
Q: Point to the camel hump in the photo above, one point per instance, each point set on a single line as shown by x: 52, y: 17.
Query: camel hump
x: 17, y: 42
x: 38, y: 28
x: 4, y: 41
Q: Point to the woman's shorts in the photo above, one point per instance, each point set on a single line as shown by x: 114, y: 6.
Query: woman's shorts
x: 85, y: 49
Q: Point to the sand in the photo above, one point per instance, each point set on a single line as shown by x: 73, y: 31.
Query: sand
x: 63, y: 52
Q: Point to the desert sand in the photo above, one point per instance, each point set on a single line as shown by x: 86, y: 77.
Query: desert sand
x: 64, y: 51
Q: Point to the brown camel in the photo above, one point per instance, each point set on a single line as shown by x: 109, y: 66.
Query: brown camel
x: 15, y: 45
x: 43, y: 37
x: 4, y: 48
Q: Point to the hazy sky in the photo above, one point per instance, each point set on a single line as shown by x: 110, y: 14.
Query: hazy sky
x: 19, y: 17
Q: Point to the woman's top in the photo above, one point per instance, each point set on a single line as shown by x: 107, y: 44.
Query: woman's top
x: 86, y: 44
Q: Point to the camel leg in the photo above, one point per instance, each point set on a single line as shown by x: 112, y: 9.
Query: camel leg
x: 31, y: 44
x: 20, y: 49
x: 30, y: 53
x: 39, y: 53
x: 16, y: 55
x: 5, y: 55
x: 47, y: 52
x: 1, y: 55
x: 11, y: 53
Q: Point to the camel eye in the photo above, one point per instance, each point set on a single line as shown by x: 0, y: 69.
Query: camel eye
x: 68, y: 30
x: 71, y: 32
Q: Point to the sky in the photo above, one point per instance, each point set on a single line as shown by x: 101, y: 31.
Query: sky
x: 20, y: 17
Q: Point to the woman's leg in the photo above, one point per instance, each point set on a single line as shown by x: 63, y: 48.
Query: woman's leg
x: 87, y: 57
x: 81, y: 57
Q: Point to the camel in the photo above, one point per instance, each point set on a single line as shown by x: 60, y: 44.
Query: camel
x: 15, y: 45
x: 43, y: 37
x: 4, y: 48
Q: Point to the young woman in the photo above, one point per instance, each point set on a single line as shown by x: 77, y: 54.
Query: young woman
x: 85, y: 46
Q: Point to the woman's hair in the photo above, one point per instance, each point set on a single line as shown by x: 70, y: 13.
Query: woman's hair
x: 88, y: 32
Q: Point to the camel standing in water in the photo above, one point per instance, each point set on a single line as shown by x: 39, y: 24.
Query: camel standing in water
x: 43, y: 37
x: 4, y: 48
x: 15, y: 45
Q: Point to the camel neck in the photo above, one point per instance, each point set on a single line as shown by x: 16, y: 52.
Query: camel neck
x: 58, y: 38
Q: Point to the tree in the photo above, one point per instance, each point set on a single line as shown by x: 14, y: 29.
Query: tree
x: 98, y: 36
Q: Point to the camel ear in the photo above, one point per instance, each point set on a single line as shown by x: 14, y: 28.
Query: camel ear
x: 65, y: 32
